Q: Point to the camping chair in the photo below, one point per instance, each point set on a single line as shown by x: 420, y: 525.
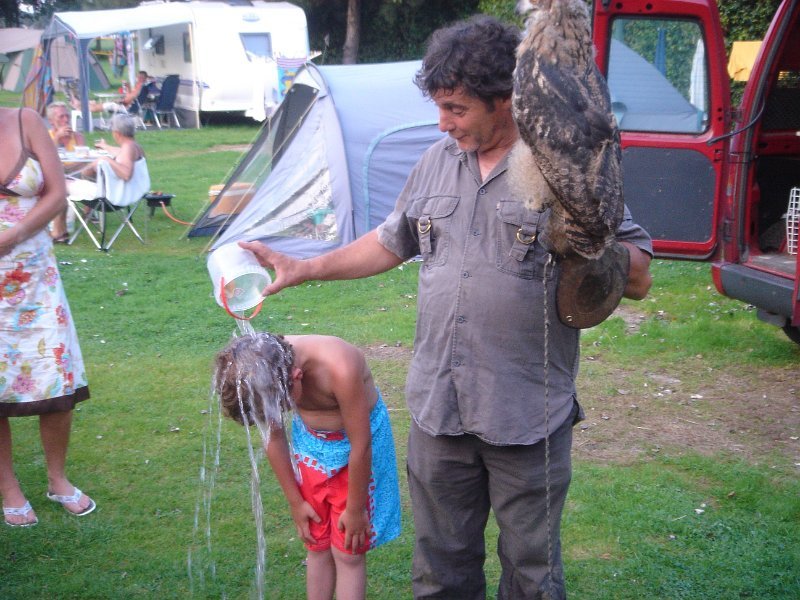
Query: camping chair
x: 140, y: 106
x: 110, y: 195
x: 165, y: 105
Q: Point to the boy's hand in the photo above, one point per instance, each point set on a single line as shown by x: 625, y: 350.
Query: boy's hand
x: 301, y: 514
x: 355, y: 525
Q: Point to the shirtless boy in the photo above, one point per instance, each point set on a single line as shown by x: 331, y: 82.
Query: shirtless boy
x: 345, y: 499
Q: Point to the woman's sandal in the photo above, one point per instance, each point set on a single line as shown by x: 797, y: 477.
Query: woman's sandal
x: 61, y: 239
x: 19, y: 512
x: 75, y: 498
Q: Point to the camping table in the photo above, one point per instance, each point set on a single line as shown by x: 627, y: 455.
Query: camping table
x: 74, y: 161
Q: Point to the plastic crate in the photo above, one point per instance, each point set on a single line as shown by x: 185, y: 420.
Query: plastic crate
x: 793, y: 221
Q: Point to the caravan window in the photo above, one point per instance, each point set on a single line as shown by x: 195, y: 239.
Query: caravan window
x: 257, y: 45
x: 657, y: 75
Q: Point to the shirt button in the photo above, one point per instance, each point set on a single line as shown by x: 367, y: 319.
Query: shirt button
x: 482, y: 191
x: 460, y: 320
x: 456, y: 363
x: 465, y: 274
x: 476, y: 232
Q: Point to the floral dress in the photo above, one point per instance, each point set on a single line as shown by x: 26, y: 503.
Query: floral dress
x: 41, y: 367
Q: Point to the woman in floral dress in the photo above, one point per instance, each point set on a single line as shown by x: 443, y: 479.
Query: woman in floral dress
x: 41, y: 367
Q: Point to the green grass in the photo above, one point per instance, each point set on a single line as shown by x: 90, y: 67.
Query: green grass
x: 149, y: 329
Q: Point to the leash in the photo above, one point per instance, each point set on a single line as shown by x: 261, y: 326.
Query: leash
x: 547, y: 424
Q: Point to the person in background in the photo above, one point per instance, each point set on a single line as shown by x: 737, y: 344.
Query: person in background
x: 61, y: 132
x: 122, y: 105
x: 42, y: 366
x: 491, y: 427
x: 345, y: 499
x: 127, y: 151
x: 122, y: 160
x: 63, y: 136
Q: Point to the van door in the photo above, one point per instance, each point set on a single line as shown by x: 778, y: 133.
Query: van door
x: 665, y: 65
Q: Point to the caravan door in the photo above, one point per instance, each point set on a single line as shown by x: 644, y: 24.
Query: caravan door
x: 665, y: 65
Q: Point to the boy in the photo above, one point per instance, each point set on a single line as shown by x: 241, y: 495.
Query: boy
x: 340, y: 478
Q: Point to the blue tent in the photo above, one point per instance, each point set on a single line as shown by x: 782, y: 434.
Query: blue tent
x: 643, y: 99
x: 329, y: 164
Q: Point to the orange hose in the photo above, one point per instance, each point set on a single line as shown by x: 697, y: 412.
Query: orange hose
x: 166, y: 212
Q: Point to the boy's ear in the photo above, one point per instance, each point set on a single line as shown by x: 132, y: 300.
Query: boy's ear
x: 297, y: 373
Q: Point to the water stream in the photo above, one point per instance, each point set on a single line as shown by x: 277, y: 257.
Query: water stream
x: 254, y: 378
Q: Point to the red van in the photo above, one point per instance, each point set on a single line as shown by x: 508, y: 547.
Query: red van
x: 708, y: 180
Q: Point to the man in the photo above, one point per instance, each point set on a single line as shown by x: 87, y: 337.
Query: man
x: 122, y: 105
x: 61, y: 131
x: 482, y: 401
x: 63, y: 137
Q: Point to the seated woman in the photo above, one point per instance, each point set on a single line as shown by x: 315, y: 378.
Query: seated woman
x: 122, y: 160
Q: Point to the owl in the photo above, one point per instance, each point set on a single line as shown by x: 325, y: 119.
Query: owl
x: 568, y: 156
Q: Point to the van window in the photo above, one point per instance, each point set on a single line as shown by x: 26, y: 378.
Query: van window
x: 658, y: 75
x: 257, y: 45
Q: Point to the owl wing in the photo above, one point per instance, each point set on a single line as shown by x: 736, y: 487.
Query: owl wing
x: 565, y: 118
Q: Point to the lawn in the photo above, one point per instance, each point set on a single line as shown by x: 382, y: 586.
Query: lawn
x: 659, y: 508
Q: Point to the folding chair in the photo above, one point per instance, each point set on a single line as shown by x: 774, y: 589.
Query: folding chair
x: 111, y: 195
x: 137, y: 107
x: 165, y: 104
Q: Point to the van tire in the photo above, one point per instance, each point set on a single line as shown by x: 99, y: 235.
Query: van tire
x: 793, y: 333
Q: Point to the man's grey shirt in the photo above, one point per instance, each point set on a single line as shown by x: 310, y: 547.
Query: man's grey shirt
x: 479, y: 351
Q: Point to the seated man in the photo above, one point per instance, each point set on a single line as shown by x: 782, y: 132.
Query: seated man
x: 63, y: 137
x: 61, y: 131
x: 122, y: 105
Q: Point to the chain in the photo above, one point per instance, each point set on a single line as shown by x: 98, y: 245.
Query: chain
x: 547, y: 425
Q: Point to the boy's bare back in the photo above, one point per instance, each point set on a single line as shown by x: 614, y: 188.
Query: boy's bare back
x: 331, y: 379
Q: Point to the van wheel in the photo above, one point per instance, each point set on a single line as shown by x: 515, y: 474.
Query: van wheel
x: 793, y: 333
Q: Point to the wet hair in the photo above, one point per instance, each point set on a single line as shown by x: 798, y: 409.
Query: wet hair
x: 477, y: 55
x: 124, y: 125
x: 252, y: 376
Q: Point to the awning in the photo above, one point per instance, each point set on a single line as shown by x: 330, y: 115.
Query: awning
x: 95, y: 23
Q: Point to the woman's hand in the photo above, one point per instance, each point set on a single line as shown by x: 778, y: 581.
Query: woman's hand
x: 7, y: 242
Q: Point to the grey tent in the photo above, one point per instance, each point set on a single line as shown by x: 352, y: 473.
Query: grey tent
x: 20, y: 45
x: 329, y: 164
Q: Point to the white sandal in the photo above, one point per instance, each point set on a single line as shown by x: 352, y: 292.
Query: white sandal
x: 19, y: 512
x: 75, y: 498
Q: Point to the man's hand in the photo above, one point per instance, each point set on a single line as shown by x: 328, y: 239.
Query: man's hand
x: 288, y: 271
x: 301, y: 514
x: 355, y: 525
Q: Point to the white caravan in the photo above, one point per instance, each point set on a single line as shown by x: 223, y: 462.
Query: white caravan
x: 226, y: 55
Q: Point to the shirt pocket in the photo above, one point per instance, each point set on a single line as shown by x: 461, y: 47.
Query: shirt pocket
x: 431, y: 219
x: 518, y: 252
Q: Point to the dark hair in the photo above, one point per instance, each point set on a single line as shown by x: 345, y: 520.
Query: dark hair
x: 252, y: 376
x: 477, y: 55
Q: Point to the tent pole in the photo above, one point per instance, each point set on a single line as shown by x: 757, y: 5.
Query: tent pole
x: 83, y: 69
x: 131, y: 58
x: 195, y: 83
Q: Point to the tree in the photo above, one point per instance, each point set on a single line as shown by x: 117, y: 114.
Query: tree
x: 389, y: 30
x: 352, y: 36
x: 9, y: 13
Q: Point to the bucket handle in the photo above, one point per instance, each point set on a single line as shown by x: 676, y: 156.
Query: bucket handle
x: 227, y: 308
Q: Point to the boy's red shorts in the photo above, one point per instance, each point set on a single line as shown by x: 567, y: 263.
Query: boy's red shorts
x: 328, y: 497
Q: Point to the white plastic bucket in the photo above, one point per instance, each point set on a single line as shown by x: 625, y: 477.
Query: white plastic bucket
x: 238, y: 278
